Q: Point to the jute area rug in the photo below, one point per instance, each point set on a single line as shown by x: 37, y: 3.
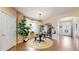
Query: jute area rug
x: 42, y: 45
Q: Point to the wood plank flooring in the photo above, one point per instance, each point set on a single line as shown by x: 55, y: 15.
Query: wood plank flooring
x: 63, y: 43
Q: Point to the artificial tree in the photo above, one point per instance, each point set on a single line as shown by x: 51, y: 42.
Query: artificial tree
x: 23, y: 29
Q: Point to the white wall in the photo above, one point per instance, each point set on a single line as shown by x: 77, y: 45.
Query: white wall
x: 76, y: 26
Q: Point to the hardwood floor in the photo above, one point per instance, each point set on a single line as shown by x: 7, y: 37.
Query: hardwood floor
x: 63, y: 43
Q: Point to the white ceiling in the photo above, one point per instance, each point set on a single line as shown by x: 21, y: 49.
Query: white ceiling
x: 47, y: 12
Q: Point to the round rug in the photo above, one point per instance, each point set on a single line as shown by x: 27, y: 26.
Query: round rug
x: 42, y: 45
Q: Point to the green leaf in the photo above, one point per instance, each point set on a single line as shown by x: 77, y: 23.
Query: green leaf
x: 23, y: 29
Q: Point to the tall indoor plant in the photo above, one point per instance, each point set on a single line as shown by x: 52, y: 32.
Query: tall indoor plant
x: 23, y: 29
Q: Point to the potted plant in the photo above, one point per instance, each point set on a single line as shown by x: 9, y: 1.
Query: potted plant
x: 23, y: 29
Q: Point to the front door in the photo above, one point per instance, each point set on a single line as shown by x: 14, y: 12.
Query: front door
x: 66, y: 28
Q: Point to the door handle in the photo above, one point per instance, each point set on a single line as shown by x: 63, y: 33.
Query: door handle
x: 3, y: 34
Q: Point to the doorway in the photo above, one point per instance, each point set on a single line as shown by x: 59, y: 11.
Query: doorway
x: 66, y: 28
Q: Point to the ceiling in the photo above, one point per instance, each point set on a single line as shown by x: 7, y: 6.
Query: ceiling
x: 46, y: 12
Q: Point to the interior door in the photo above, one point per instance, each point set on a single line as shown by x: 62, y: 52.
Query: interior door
x: 0, y: 29
x: 8, y: 31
